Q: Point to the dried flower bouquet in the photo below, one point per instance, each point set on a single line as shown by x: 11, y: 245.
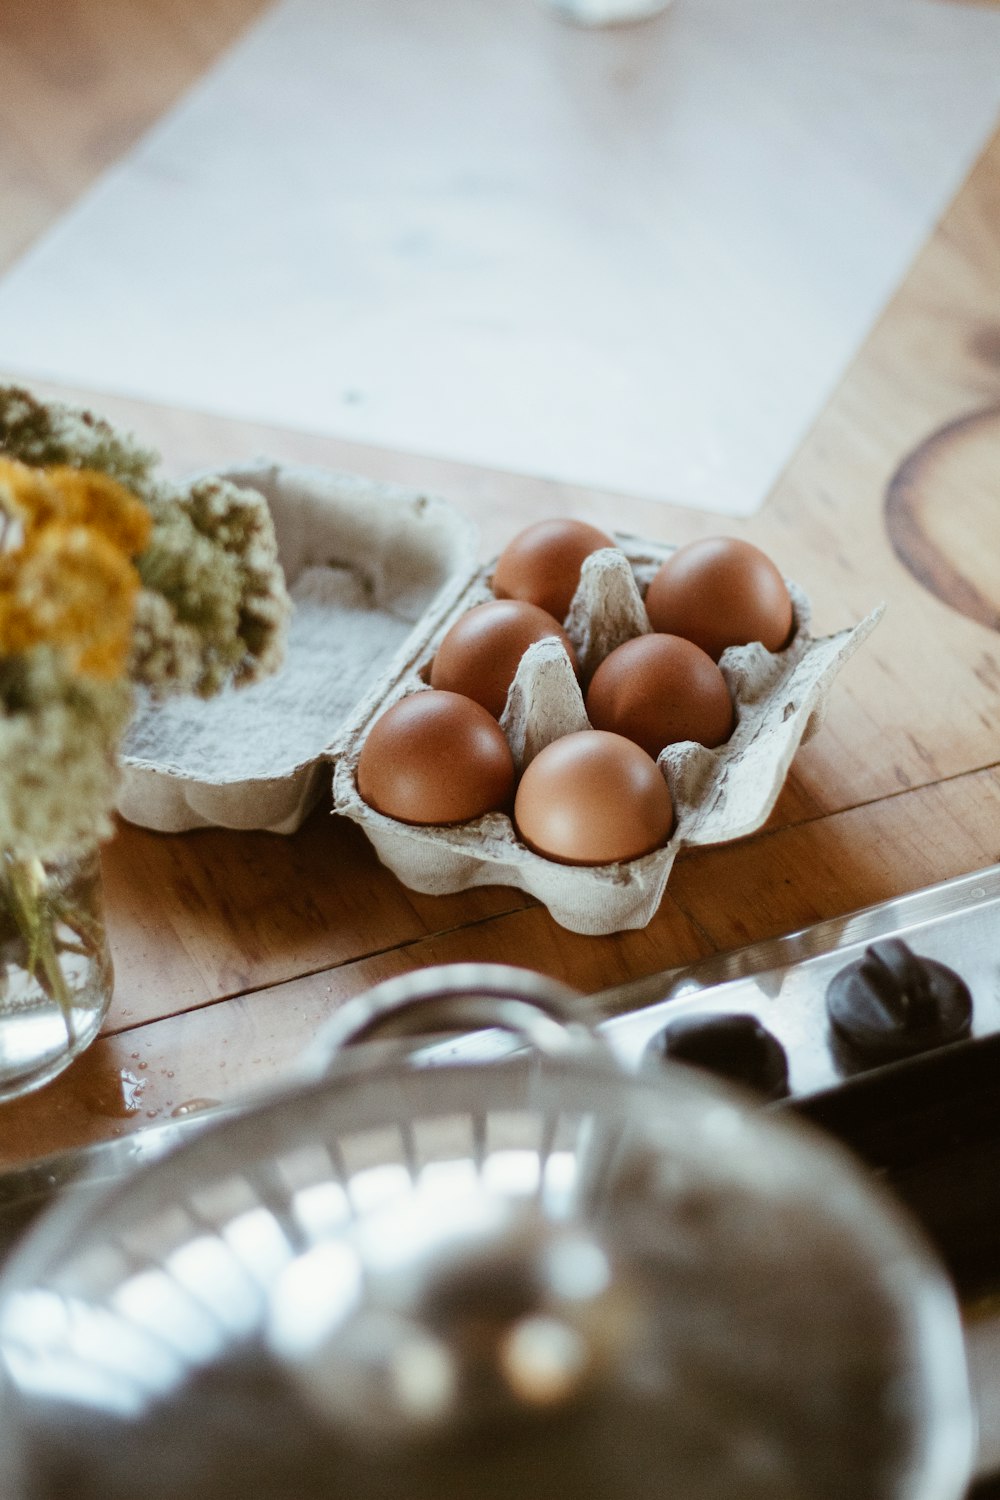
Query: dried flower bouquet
x: 111, y: 578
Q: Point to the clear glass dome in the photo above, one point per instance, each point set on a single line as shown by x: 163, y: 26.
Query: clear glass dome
x: 538, y: 1277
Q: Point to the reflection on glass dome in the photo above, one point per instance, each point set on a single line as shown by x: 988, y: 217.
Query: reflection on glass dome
x: 536, y: 1278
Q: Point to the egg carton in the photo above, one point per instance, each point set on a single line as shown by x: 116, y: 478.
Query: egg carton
x: 378, y: 573
x: 718, y: 795
x: 364, y: 561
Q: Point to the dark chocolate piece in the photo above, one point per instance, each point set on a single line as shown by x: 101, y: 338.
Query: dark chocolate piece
x: 732, y: 1045
x: 891, y: 1003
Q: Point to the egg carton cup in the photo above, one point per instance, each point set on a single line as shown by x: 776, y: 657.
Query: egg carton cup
x: 364, y: 561
x: 718, y: 795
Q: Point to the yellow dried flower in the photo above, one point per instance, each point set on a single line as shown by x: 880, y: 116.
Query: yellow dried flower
x: 69, y: 587
x: 38, y: 497
x: 94, y: 500
x: 26, y: 494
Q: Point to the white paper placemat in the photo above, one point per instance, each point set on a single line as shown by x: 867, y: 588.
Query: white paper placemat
x: 637, y: 258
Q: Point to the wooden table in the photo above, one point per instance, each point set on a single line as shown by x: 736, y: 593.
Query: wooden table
x: 230, y: 948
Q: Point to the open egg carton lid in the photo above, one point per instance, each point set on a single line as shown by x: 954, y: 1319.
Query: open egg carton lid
x: 718, y: 795
x: 364, y: 561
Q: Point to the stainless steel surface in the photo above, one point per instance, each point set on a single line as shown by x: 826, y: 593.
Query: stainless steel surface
x: 982, y: 1343
x: 783, y: 982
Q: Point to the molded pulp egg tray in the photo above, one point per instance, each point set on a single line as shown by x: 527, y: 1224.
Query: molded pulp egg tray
x: 378, y: 574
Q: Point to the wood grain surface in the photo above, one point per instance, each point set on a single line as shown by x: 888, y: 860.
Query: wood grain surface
x: 230, y: 948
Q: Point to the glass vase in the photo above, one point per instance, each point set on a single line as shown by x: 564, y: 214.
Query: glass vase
x: 55, y: 966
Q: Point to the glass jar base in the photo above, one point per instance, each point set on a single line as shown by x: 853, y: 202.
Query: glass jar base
x: 55, y: 968
x: 36, y: 1047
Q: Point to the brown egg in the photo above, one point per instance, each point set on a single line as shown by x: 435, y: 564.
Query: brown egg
x: 658, y: 690
x: 542, y: 564
x: 480, y: 654
x: 721, y: 592
x: 593, y: 798
x: 435, y: 758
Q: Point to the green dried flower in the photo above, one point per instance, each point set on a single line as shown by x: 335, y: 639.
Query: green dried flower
x: 59, y: 736
x: 42, y: 433
x: 212, y: 558
x: 166, y: 655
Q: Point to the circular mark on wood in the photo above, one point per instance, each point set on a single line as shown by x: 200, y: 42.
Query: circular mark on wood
x: 942, y: 513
